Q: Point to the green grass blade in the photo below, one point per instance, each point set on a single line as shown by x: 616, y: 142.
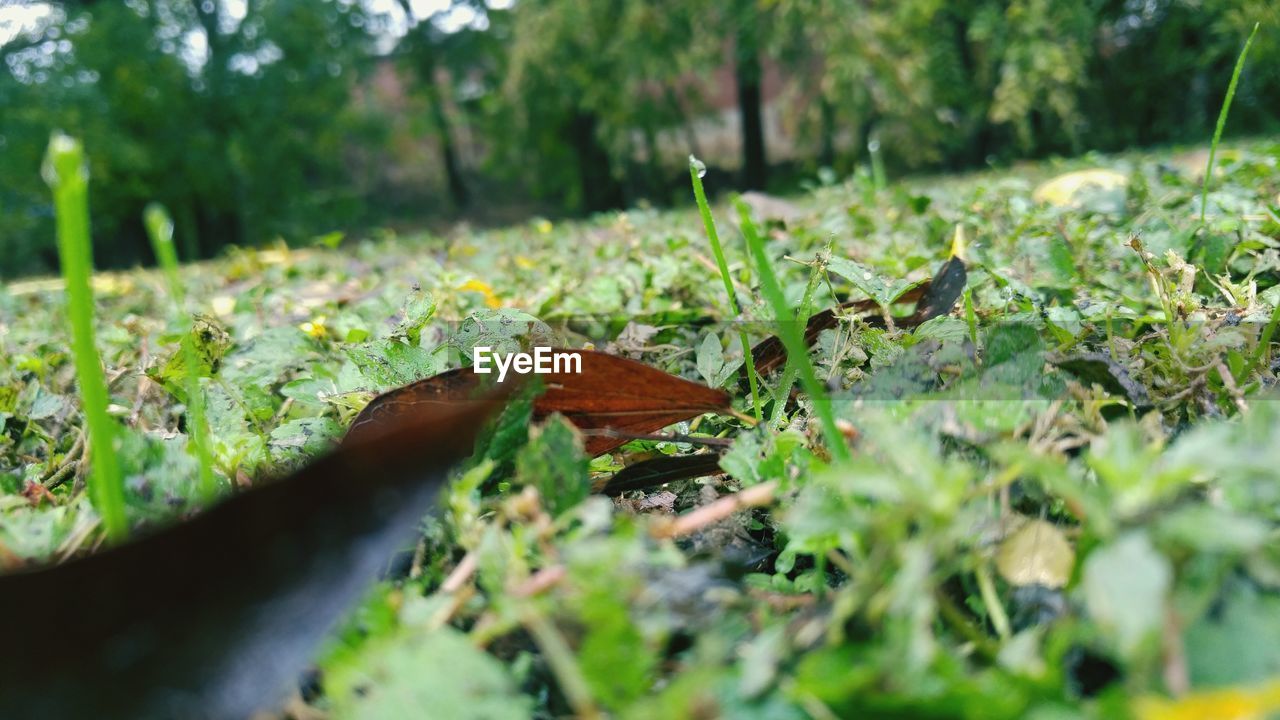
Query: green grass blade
x: 802, y: 316
x: 792, y: 337
x: 160, y: 229
x: 1222, y: 121
x: 1264, y: 342
x: 708, y: 222
x: 66, y: 172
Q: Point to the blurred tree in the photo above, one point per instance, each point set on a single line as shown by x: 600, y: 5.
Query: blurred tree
x: 947, y: 81
x: 242, y: 115
x: 748, y: 21
x: 233, y: 120
x: 438, y: 59
x: 589, y: 85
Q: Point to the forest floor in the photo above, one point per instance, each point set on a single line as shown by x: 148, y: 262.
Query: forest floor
x: 1063, y: 498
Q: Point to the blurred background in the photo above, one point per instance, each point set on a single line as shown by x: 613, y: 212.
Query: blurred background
x: 253, y: 120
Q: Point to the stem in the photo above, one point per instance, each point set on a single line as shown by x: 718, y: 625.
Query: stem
x: 563, y: 664
x: 1264, y: 343
x: 66, y: 172
x: 792, y: 337
x: 709, y: 223
x: 987, y: 588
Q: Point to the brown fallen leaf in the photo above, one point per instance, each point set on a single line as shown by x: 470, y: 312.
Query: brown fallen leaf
x: 933, y: 298
x: 611, y: 393
x: 216, y: 616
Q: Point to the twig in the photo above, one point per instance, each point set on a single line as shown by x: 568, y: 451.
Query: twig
x: 59, y: 475
x: 1229, y: 382
x: 419, y: 558
x: 959, y: 622
x: 714, y: 512
x: 540, y: 582
x: 461, y: 574
x: 1177, y: 676
x: 563, y: 664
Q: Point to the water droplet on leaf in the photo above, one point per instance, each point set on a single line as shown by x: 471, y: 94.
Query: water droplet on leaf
x: 698, y: 166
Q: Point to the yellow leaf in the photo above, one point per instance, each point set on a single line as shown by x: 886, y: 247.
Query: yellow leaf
x: 1036, y: 554
x: 1232, y: 703
x: 490, y: 298
x: 1069, y: 190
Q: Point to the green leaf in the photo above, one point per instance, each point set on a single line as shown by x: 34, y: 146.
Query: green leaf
x: 405, y: 675
x: 207, y: 342
x: 1214, y: 530
x: 1237, y: 643
x: 1062, y: 261
x: 389, y: 364
x: 1126, y: 584
x: 884, y: 293
x: 504, y: 331
x: 553, y: 461
x: 418, y: 310
x: 710, y: 359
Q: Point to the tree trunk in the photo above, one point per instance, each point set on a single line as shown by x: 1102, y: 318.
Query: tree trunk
x: 827, y: 151
x: 747, y: 73
x: 220, y: 226
x: 444, y: 129
x: 426, y: 65
x: 600, y: 189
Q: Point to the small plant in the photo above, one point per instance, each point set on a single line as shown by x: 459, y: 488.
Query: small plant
x: 696, y: 171
x: 160, y: 229
x: 792, y: 336
x: 1222, y: 121
x: 67, y: 173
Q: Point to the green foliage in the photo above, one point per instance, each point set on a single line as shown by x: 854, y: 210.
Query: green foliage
x: 441, y: 670
x: 1107, y: 429
x: 884, y: 293
x: 199, y: 135
x: 554, y: 464
x: 284, y: 119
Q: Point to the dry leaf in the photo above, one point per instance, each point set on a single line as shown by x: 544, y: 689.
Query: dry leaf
x: 1036, y: 554
x: 611, y: 392
x: 216, y: 616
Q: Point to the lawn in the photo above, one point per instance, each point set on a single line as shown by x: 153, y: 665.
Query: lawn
x: 1061, y: 497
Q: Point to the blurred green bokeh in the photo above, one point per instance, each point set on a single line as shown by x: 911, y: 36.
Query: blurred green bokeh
x: 292, y: 118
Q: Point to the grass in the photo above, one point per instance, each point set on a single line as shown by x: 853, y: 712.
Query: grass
x: 66, y: 170
x: 1034, y: 484
x: 791, y: 331
x: 1222, y: 119
x: 160, y: 229
x: 696, y: 170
